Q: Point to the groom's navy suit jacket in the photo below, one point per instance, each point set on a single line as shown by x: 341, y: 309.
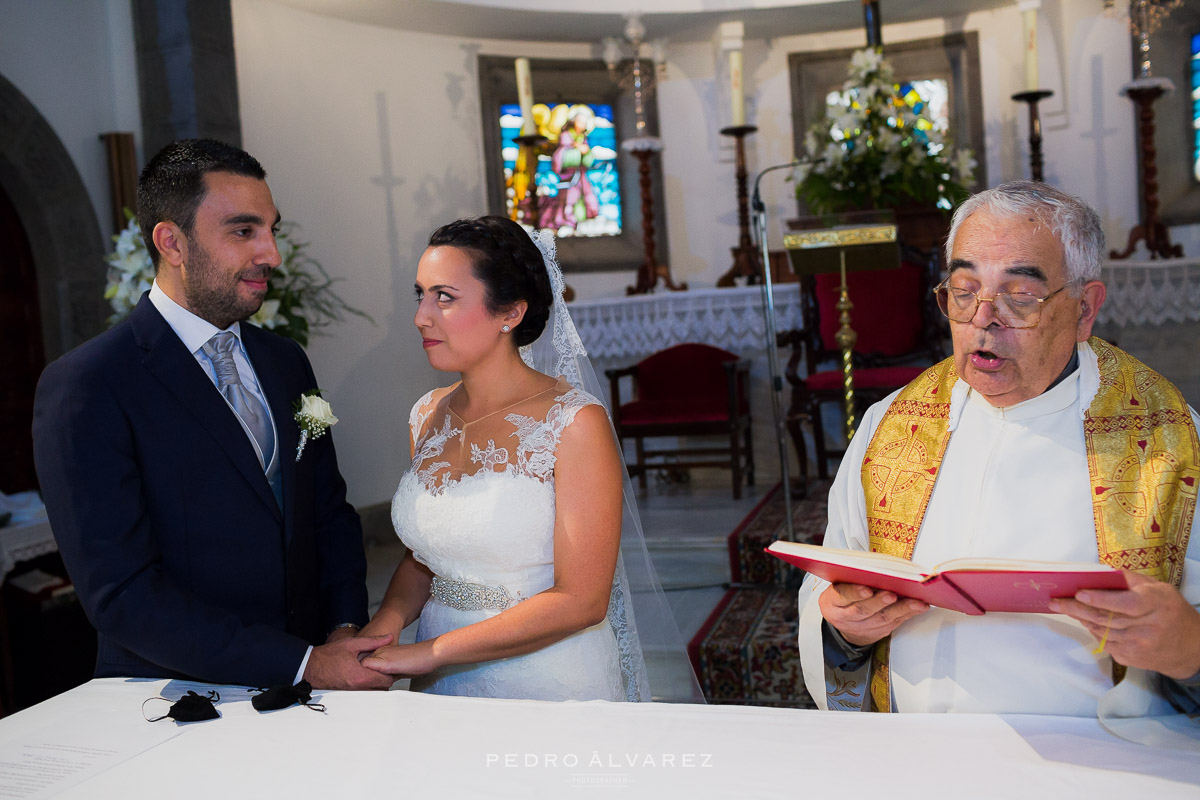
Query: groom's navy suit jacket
x: 184, y: 561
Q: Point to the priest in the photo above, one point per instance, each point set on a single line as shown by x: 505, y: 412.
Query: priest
x: 1033, y: 441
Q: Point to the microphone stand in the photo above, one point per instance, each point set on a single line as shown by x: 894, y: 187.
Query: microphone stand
x: 768, y: 301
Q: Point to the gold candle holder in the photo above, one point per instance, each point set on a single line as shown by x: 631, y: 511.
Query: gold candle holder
x: 845, y: 338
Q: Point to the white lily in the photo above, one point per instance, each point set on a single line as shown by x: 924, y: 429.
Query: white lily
x: 268, y: 315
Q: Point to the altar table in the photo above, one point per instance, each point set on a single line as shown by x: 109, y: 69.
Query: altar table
x: 631, y: 328
x: 1153, y: 312
x: 1150, y: 292
x: 399, y: 744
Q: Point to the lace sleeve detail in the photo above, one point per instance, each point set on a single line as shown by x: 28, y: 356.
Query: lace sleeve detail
x: 418, y: 415
x: 570, y: 404
x: 537, y: 440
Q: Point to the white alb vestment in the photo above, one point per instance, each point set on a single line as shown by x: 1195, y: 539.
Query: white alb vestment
x: 1013, y: 484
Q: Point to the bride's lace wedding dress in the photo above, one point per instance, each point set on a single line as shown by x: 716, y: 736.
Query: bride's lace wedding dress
x: 477, y: 508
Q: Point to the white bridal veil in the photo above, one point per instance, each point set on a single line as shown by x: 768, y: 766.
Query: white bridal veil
x: 654, y: 660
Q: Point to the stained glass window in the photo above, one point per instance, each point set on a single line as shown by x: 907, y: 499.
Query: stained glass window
x: 1196, y: 106
x: 578, y: 188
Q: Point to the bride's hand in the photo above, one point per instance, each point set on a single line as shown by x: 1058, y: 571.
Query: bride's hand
x: 403, y: 660
x: 383, y: 623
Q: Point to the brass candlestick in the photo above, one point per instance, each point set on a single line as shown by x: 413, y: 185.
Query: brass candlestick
x: 532, y: 144
x: 846, y: 339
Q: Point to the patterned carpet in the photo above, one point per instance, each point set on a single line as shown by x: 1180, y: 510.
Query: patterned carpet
x: 745, y: 652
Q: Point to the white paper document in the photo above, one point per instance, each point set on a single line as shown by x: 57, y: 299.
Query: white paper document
x: 49, y: 760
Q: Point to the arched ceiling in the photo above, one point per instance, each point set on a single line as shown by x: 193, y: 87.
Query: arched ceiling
x: 577, y: 21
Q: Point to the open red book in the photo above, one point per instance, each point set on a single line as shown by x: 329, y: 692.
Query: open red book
x: 969, y: 585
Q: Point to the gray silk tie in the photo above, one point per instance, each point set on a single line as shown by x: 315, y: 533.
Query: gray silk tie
x: 229, y: 382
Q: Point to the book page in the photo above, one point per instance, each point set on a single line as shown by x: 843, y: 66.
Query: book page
x: 857, y: 559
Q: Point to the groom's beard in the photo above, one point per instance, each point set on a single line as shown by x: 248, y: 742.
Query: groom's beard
x: 217, y: 295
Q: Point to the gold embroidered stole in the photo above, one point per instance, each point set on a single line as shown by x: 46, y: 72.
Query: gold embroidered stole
x: 1143, y: 461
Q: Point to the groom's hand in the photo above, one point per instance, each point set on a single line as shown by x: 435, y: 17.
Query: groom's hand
x: 344, y: 632
x: 335, y: 665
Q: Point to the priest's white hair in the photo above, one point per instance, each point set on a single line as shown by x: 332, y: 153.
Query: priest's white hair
x: 1073, y: 222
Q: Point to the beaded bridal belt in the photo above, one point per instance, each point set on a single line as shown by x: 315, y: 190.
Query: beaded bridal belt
x: 472, y: 596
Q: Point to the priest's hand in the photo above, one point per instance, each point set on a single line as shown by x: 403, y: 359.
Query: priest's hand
x: 334, y: 665
x: 864, y: 616
x: 1149, y: 625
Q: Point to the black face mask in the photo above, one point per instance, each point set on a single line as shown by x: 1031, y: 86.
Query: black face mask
x: 282, y: 696
x: 191, y: 707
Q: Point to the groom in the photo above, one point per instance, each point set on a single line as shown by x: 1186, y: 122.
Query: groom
x: 201, y: 544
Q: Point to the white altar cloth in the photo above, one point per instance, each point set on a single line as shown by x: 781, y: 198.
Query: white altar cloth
x: 630, y: 328
x: 401, y: 744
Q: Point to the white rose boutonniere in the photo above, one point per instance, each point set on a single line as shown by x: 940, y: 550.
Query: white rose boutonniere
x: 314, y: 416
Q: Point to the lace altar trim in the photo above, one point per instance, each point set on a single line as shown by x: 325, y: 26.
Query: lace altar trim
x: 1151, y: 292
x: 633, y: 327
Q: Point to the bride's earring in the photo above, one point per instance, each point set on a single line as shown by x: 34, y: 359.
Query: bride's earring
x: 506, y: 329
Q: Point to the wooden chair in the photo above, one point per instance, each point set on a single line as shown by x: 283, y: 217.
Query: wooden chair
x: 687, y: 390
x: 900, y: 333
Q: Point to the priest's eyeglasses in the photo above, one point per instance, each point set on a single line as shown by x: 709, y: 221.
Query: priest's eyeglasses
x: 1013, y: 309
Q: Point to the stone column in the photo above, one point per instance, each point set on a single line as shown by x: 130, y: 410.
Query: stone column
x: 187, y: 74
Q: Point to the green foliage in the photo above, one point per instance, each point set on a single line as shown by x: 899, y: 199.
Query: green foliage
x: 300, y: 298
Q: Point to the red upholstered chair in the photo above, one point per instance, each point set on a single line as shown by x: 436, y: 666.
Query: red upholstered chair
x: 900, y: 333
x: 687, y: 390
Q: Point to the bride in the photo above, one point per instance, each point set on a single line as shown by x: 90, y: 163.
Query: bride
x: 513, y: 509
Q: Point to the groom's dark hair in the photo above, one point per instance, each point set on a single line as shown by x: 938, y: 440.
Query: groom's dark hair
x: 171, y: 186
x: 510, y: 266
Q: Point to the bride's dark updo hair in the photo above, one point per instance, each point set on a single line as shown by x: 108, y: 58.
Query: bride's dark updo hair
x: 510, y: 266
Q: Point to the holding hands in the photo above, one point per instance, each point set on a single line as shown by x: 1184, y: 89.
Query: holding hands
x: 396, y: 660
x: 335, y: 664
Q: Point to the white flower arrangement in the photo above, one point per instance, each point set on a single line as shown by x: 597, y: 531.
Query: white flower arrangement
x: 873, y: 150
x: 299, y: 299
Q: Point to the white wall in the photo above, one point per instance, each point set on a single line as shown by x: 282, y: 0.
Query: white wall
x: 1084, y: 60
x: 74, y: 60
x: 326, y: 103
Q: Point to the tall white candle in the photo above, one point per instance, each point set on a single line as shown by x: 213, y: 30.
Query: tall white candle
x: 525, y: 96
x: 737, y: 95
x: 1029, y: 13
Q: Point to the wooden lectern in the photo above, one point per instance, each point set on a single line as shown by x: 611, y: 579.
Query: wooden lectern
x: 857, y: 240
